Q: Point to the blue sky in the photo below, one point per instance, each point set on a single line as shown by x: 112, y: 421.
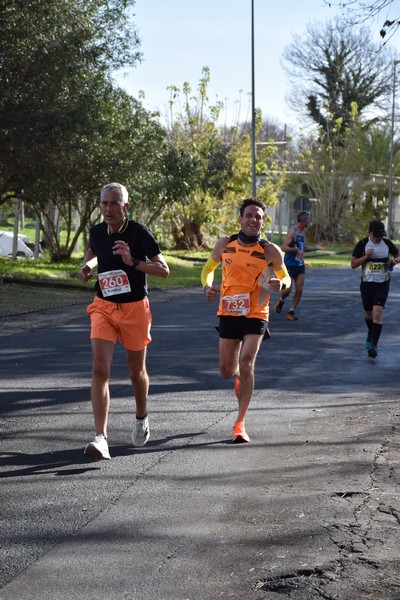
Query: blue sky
x: 180, y: 37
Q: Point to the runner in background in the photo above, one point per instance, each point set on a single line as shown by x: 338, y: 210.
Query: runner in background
x: 372, y: 255
x: 294, y: 248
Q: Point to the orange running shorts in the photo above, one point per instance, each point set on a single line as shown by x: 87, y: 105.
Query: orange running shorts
x: 130, y: 322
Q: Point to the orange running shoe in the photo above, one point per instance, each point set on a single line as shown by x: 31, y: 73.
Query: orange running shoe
x: 291, y: 316
x: 236, y: 387
x: 239, y: 433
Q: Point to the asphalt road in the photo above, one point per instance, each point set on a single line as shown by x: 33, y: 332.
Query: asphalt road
x: 308, y: 510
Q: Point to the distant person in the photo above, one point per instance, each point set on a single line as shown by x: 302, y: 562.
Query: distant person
x: 125, y: 252
x: 244, y: 301
x: 294, y: 248
x: 372, y: 255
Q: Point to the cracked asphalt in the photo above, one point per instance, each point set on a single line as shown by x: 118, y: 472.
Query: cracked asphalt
x: 308, y: 510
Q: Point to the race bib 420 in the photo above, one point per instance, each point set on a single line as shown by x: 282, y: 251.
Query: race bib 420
x: 113, y: 283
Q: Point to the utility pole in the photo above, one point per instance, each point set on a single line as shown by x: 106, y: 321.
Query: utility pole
x: 253, y: 110
x: 390, y: 195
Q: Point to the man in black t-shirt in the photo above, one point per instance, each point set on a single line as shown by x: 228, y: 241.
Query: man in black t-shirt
x: 125, y: 252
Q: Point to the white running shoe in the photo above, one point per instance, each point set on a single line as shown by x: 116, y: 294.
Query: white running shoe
x: 98, y: 449
x: 141, y: 433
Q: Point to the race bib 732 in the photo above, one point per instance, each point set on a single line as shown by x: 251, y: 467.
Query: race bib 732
x: 239, y: 304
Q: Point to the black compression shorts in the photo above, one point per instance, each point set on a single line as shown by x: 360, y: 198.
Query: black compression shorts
x: 235, y: 328
x: 374, y: 294
x: 295, y: 270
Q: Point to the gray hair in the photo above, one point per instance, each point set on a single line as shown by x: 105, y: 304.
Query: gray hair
x: 303, y: 215
x: 121, y: 189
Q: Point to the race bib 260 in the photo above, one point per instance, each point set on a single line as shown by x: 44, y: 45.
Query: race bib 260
x: 113, y: 283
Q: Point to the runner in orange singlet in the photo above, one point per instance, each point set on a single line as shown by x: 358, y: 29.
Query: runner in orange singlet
x: 244, y: 300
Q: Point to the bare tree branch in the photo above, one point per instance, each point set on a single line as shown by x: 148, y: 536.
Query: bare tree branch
x: 357, y: 12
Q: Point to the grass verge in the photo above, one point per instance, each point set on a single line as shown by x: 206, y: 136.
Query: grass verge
x: 29, y: 285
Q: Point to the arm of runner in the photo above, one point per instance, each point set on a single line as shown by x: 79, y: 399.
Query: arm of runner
x: 396, y: 259
x: 313, y: 248
x: 358, y: 261
x: 274, y: 257
x: 394, y: 251
x: 207, y: 273
x: 289, y: 243
x: 89, y: 262
x: 156, y: 266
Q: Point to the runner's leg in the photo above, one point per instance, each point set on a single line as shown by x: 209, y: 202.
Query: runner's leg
x: 298, y: 289
x: 140, y: 380
x: 103, y: 351
x: 248, y: 353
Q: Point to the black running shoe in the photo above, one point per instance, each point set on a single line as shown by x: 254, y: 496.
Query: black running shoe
x: 278, y: 306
